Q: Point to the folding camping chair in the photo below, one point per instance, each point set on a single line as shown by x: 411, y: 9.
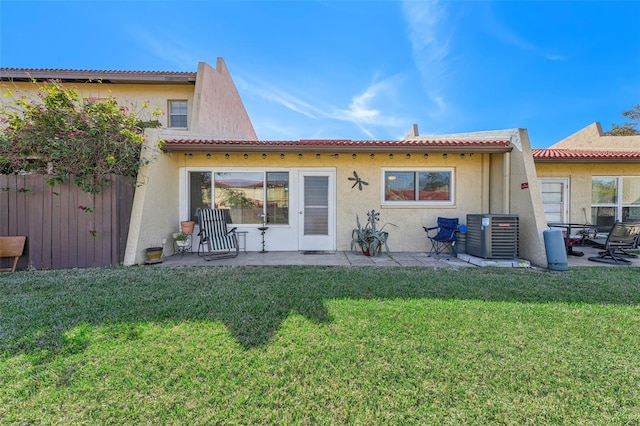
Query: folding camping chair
x: 622, y: 237
x: 220, y: 243
x: 443, y: 236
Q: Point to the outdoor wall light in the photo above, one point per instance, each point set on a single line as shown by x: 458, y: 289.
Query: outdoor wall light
x: 246, y: 156
x: 391, y: 156
x: 461, y: 155
x: 264, y: 156
x: 444, y: 155
x: 425, y: 156
x: 190, y: 155
x: 208, y: 155
x: 372, y: 156
x: 408, y: 156
x: 354, y: 156
x: 300, y: 156
x: 282, y: 156
x: 318, y: 156
x: 227, y: 156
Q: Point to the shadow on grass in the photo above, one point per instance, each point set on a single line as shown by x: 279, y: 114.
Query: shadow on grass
x: 38, y: 311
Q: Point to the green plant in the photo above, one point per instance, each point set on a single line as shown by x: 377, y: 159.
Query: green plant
x: 180, y: 236
x: 369, y: 237
x: 63, y: 135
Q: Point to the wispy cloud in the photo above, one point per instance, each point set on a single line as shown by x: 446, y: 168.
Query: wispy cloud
x: 366, y: 109
x: 504, y: 34
x: 179, y: 54
x: 429, y: 31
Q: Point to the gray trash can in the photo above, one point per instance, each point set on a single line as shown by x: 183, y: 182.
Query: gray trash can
x: 555, y: 249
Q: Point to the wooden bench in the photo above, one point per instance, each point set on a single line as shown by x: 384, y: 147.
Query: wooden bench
x: 12, y: 247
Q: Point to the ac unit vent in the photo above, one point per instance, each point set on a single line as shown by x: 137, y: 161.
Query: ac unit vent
x: 493, y: 236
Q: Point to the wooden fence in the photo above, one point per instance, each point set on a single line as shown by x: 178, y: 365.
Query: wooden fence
x: 65, y: 227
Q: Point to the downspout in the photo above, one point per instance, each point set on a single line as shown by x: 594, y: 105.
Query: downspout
x: 506, y: 176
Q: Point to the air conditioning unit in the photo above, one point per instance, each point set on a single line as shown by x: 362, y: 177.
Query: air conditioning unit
x: 493, y: 236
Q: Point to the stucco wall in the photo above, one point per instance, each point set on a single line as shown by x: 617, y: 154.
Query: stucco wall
x: 409, y: 234
x: 155, y: 208
x: 132, y: 96
x: 218, y: 108
x: 591, y: 137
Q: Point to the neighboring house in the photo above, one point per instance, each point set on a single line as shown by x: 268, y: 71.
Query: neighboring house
x: 590, y: 178
x: 205, y: 102
x: 308, y: 192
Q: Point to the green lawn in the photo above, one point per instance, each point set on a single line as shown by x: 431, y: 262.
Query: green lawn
x: 320, y: 345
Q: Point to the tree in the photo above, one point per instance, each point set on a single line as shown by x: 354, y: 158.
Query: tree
x: 627, y: 129
x: 62, y: 135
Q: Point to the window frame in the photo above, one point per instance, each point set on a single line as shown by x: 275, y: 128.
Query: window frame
x: 618, y: 205
x: 170, y: 115
x: 265, y: 189
x: 415, y: 202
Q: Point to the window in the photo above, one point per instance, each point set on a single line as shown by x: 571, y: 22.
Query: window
x: 251, y: 197
x: 428, y: 186
x: 615, y: 198
x: 178, y: 114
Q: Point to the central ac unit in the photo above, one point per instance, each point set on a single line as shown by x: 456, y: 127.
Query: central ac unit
x: 493, y: 236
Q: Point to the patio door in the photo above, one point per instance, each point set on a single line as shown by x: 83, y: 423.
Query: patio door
x: 316, y: 211
x: 555, y: 196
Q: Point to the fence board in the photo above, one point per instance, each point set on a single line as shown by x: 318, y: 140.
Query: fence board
x: 58, y: 231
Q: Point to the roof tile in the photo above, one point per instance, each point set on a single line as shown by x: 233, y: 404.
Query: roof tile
x: 584, y: 154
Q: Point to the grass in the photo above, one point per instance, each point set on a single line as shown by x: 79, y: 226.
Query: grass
x: 320, y: 345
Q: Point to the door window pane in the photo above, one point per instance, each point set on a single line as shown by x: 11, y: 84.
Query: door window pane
x: 316, y: 205
x: 278, y: 197
x: 242, y: 193
x: 199, y: 192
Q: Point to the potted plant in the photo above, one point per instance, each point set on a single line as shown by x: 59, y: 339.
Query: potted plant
x: 154, y: 254
x: 181, y: 239
x: 369, y: 237
x: 187, y: 226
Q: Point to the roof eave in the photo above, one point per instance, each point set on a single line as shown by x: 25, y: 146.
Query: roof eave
x: 98, y: 77
x: 587, y: 160
x: 336, y: 149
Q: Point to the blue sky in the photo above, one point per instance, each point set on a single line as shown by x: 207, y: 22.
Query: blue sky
x: 362, y: 69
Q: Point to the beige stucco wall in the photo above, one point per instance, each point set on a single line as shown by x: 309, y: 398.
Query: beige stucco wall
x: 132, y: 96
x: 409, y: 234
x: 591, y: 137
x: 217, y: 110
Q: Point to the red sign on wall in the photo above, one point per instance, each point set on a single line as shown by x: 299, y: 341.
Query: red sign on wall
x: 524, y: 185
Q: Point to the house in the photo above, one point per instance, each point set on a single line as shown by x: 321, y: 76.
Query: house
x: 306, y: 192
x: 309, y: 192
x: 590, y: 178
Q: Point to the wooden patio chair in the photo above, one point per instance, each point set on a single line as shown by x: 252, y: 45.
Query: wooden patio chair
x: 12, y: 247
x: 219, y: 242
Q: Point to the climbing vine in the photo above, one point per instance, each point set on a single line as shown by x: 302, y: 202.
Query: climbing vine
x: 62, y: 135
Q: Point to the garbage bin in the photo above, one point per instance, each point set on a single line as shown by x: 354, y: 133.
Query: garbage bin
x: 555, y: 249
x: 461, y: 240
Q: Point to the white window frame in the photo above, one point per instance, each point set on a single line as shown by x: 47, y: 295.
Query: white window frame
x: 619, y: 204
x: 421, y: 203
x: 186, y: 114
x: 186, y: 202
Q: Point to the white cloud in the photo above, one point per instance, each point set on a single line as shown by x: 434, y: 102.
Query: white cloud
x: 429, y: 32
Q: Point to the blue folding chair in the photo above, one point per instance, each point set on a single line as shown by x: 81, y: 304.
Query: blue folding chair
x: 443, y: 236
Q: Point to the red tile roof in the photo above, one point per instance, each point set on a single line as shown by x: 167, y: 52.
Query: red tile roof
x: 584, y: 155
x: 482, y: 145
